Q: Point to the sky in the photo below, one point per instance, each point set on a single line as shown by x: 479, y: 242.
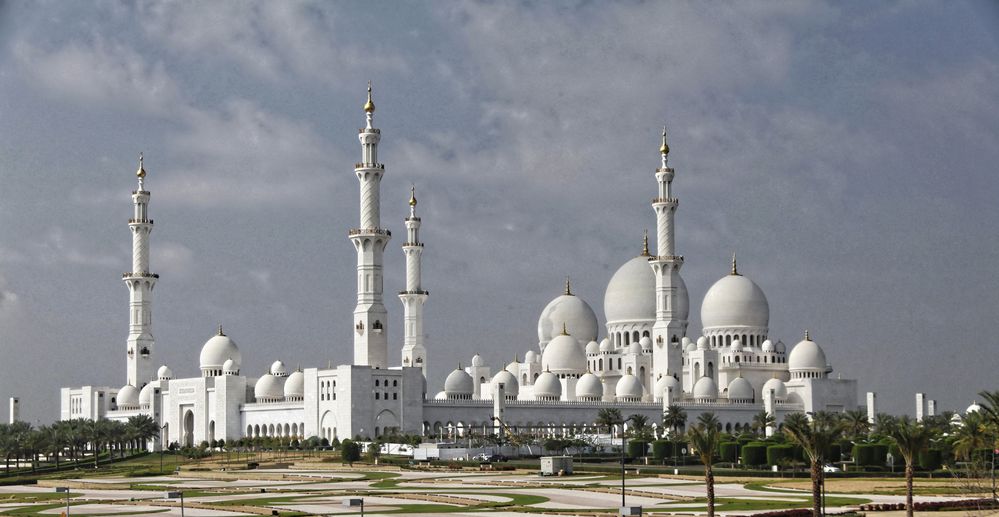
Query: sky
x: 846, y: 151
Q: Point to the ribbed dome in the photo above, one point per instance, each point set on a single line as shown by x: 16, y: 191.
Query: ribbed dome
x: 589, y: 387
x: 146, y: 395
x: 216, y: 350
x: 631, y: 294
x: 477, y: 360
x: 592, y: 348
x: 734, y: 301
x: 458, y: 384
x: 513, y: 367
x: 768, y: 347
x: 705, y: 388
x: 278, y: 369
x: 230, y: 367
x: 531, y: 357
x: 564, y: 356
x: 646, y: 343
x: 635, y: 348
x: 807, y: 355
x: 778, y: 387
x: 547, y: 385
x: 605, y: 345
x: 702, y: 343
x: 511, y: 388
x: 740, y: 389
x: 571, y: 311
x: 780, y: 347
x: 164, y: 373
x: 269, y: 388
x: 736, y: 345
x: 628, y: 388
x: 664, y: 382
x: 294, y: 386
x: 128, y: 397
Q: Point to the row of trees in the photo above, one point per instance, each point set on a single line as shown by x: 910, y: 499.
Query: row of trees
x: 73, y: 439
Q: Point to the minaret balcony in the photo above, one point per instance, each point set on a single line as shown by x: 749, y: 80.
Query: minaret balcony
x: 678, y: 259
x: 665, y: 200
x: 664, y: 169
x: 140, y: 274
x: 369, y: 130
x: 380, y: 166
x: 142, y: 192
x: 418, y: 291
x: 140, y: 221
x: 419, y: 244
x: 369, y: 231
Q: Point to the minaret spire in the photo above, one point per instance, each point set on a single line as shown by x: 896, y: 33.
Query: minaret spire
x: 370, y: 239
x: 414, y: 353
x: 645, y: 244
x: 140, y: 283
x: 735, y: 265
x: 568, y: 287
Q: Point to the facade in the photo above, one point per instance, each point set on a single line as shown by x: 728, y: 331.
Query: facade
x: 645, y: 363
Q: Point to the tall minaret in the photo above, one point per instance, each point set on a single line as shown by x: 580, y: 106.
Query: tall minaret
x: 668, y: 329
x: 370, y: 317
x: 140, y: 283
x: 413, y: 298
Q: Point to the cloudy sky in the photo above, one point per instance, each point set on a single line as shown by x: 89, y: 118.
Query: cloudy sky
x: 846, y: 151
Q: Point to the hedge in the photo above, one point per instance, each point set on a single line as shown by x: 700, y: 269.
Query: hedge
x: 777, y: 454
x: 728, y: 452
x: 754, y: 453
x: 637, y: 448
x: 865, y: 454
x: 930, y: 459
x: 661, y: 450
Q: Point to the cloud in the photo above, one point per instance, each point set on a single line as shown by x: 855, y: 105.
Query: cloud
x: 172, y: 258
x: 57, y: 246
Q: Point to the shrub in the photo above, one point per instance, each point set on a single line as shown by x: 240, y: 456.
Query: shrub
x: 778, y: 454
x: 661, y: 450
x: 865, y: 454
x: 728, y: 452
x: 930, y: 459
x: 350, y: 451
x: 754, y: 453
x: 637, y: 448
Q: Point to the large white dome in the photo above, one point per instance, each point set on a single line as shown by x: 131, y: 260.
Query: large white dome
x: 269, y: 388
x: 740, y: 389
x: 569, y: 310
x: 628, y: 388
x: 564, y: 356
x: 146, y: 395
x: 511, y: 388
x: 547, y: 386
x: 164, y: 373
x: 589, y: 387
x: 278, y: 369
x: 667, y: 381
x: 631, y: 294
x: 778, y: 387
x: 458, y: 384
x: 807, y: 355
x: 735, y: 301
x: 294, y: 386
x: 705, y: 388
x: 128, y: 397
x: 216, y: 350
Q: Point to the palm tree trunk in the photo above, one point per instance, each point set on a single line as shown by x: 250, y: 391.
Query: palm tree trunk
x: 908, y: 488
x: 816, y: 489
x: 709, y: 481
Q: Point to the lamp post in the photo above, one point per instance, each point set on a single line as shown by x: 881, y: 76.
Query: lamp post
x: 64, y: 490
x: 355, y: 501
x: 175, y: 495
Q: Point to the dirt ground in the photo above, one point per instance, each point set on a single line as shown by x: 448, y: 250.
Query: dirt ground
x: 971, y: 488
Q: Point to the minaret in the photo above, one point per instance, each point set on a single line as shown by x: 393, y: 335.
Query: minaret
x: 140, y: 283
x: 413, y: 298
x: 370, y: 317
x: 668, y: 329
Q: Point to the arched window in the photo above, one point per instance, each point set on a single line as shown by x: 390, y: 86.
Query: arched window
x: 618, y: 363
x: 635, y: 337
x: 728, y: 340
x: 645, y: 334
x: 601, y: 364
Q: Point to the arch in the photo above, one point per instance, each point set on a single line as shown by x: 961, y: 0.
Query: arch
x: 641, y: 374
x: 635, y: 336
x: 386, y: 420
x: 249, y: 431
x: 327, y: 422
x: 710, y: 370
x: 256, y: 431
x: 189, y: 428
x: 601, y: 363
x: 697, y: 371
x: 211, y: 432
x: 645, y: 334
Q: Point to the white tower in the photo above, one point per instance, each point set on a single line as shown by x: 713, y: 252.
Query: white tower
x: 413, y: 298
x: 668, y: 329
x: 140, y: 283
x: 370, y: 317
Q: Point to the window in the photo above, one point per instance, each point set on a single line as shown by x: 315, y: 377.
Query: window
x: 377, y: 394
x: 395, y: 383
x: 376, y: 382
x: 395, y: 396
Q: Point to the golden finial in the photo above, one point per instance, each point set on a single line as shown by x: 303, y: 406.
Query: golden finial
x: 568, y: 288
x: 369, y: 107
x: 459, y: 362
x: 645, y: 244
x: 665, y: 147
x: 141, y: 173
x: 220, y: 330
x: 565, y: 331
x: 412, y: 195
x: 735, y: 266
x: 808, y: 337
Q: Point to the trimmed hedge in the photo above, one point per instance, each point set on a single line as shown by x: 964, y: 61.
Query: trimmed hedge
x: 661, y: 450
x: 777, y: 454
x: 930, y: 459
x: 637, y: 448
x: 728, y: 452
x: 754, y: 453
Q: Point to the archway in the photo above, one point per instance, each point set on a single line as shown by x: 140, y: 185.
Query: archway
x: 189, y: 428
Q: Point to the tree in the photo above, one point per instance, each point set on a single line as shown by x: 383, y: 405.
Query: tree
x: 374, y: 451
x: 141, y: 429
x: 990, y: 415
x: 814, y: 437
x: 674, y: 418
x: 609, y: 418
x: 911, y: 439
x: 761, y: 421
x: 704, y: 437
x: 855, y: 424
x: 640, y: 429
x: 350, y: 451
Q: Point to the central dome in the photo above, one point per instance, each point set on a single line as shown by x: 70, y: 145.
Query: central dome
x: 735, y: 301
x: 631, y: 294
x: 564, y: 356
x: 571, y: 311
x: 217, y: 350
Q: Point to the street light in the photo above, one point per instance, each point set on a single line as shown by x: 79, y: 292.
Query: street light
x: 64, y: 490
x: 175, y: 495
x: 358, y: 501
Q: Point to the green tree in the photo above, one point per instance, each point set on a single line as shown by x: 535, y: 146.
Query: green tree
x: 640, y: 429
x: 704, y: 437
x: 855, y: 424
x: 350, y: 451
x: 814, y: 437
x: 761, y: 421
x: 674, y: 418
x: 911, y: 439
x: 609, y: 417
x: 140, y: 429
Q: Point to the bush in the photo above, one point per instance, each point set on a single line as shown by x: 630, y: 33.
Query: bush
x: 930, y: 459
x: 350, y: 451
x: 866, y: 455
x: 881, y: 453
x: 637, y: 448
x: 835, y: 453
x: 728, y: 452
x: 778, y: 454
x: 661, y: 450
x: 754, y: 453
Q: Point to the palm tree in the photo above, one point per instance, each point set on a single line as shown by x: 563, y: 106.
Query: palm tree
x: 761, y: 421
x: 141, y: 429
x: 20, y: 434
x: 911, y: 438
x: 674, y: 418
x: 990, y: 411
x: 609, y: 417
x: 970, y: 435
x: 855, y: 423
x: 883, y: 423
x: 704, y: 437
x: 814, y: 437
x: 640, y: 429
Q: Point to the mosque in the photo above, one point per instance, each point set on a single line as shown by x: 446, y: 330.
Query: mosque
x: 645, y: 363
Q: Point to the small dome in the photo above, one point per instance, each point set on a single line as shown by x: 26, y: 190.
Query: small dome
x: 605, y: 345
x: 531, y: 357
x: 128, y: 397
x: 440, y: 396
x: 278, y: 369
x: 477, y: 360
x: 736, y: 345
x: 747, y: 348
x: 564, y: 356
x: 589, y: 387
x: 705, y: 388
x: 664, y: 382
x: 571, y: 312
x: 592, y: 348
x: 631, y: 294
x: 216, y: 350
x: 146, y: 395
x: 458, y: 384
x: 646, y: 343
x: 294, y: 386
x: 702, y: 343
x: 690, y: 347
x: 734, y: 301
x: 269, y: 388
x: 547, y: 386
x: 230, y: 367
x: 164, y: 373
x: 807, y: 356
x: 635, y: 348
x: 513, y: 367
x: 511, y: 388
x: 685, y: 341
x: 768, y: 347
x: 740, y: 389
x: 780, y: 347
x: 629, y: 388
x: 777, y: 386
x: 973, y: 408
x: 956, y: 419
